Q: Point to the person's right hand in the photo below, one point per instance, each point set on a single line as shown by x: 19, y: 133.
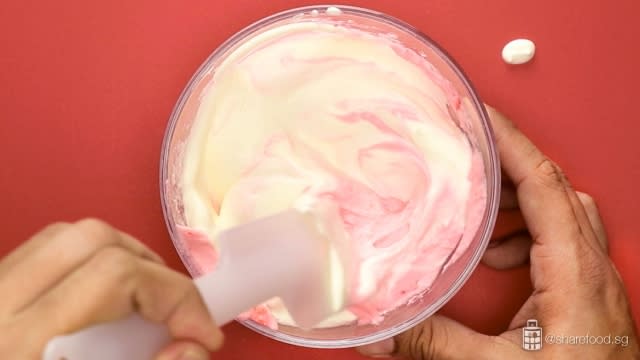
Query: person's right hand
x: 70, y: 276
x: 577, y: 290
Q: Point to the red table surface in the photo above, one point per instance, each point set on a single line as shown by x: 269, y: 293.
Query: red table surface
x: 86, y: 89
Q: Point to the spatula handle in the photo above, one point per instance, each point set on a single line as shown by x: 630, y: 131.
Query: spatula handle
x: 227, y: 292
x: 130, y: 338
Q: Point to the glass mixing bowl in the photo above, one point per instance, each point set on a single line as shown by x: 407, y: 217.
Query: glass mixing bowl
x: 452, y: 278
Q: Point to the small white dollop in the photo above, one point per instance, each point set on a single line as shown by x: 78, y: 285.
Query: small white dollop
x: 314, y: 12
x: 332, y: 10
x: 518, y: 51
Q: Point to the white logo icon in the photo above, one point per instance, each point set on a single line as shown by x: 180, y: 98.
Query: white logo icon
x: 532, y: 336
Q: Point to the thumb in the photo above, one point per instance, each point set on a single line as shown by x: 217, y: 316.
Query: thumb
x: 439, y: 337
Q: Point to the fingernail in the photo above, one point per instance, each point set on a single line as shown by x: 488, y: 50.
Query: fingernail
x: 192, y: 354
x: 380, y: 349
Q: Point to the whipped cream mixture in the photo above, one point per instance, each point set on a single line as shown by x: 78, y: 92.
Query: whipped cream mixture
x: 366, y: 133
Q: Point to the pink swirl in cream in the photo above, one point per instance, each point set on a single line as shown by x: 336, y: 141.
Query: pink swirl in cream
x: 317, y: 113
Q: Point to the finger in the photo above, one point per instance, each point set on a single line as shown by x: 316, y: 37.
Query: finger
x: 114, y: 283
x: 509, y: 253
x: 593, y: 214
x: 541, y: 192
x: 441, y: 338
x: 558, y: 249
x: 23, y: 251
x: 183, y: 350
x: 50, y: 255
x: 586, y: 228
x: 92, y: 226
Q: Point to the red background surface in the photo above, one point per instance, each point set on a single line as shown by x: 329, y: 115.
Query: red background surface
x: 86, y: 89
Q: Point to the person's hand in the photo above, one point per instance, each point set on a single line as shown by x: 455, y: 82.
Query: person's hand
x: 70, y: 276
x: 577, y: 290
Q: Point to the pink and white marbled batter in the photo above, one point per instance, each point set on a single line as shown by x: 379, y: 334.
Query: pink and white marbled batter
x: 353, y: 126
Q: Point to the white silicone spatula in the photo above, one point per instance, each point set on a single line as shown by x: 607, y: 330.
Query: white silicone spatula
x: 282, y: 255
